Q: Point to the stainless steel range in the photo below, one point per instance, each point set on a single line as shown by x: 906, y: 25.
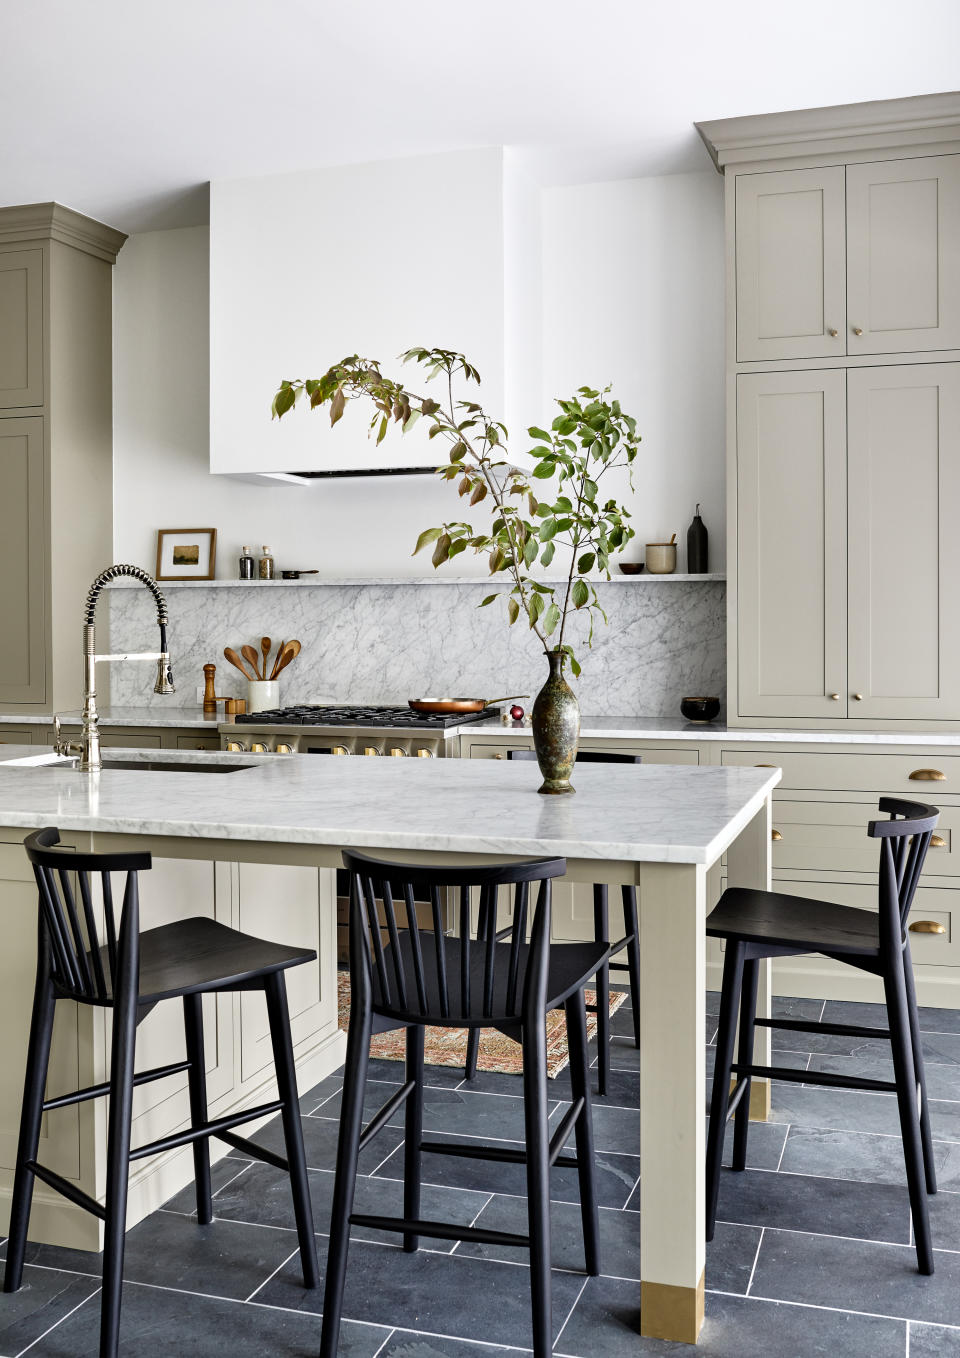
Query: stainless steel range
x: 391, y: 731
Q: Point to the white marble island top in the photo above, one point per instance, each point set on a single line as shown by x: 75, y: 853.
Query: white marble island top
x: 648, y: 813
x: 666, y: 728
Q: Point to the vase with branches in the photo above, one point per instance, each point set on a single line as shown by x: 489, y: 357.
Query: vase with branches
x: 531, y: 519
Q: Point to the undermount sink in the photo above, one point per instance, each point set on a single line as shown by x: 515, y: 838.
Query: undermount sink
x: 167, y: 765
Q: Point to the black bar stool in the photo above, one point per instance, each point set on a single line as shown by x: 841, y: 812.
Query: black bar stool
x: 601, y: 932
x: 129, y: 974
x: 406, y: 975
x: 760, y: 924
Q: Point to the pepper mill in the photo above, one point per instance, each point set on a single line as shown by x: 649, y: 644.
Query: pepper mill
x: 697, y: 546
x: 209, y: 691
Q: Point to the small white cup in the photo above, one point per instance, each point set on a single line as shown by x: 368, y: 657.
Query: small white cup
x: 262, y: 694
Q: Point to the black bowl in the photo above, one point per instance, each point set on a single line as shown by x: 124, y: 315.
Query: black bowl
x: 699, y: 710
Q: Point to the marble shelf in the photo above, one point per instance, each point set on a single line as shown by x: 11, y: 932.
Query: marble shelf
x: 333, y: 581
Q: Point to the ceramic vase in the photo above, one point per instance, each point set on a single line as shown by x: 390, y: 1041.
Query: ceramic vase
x: 556, y: 728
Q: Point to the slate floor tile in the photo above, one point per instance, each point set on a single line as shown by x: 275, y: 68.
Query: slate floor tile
x: 933, y: 1341
x: 875, y: 1063
x: 221, y: 1173
x: 403, y: 1344
x: 619, y: 1236
x: 459, y: 1112
x: 441, y: 1294
x: 224, y: 1259
x: 320, y: 1142
x: 857, y: 1275
x: 158, y: 1324
x: 606, y: 1324
x: 875, y: 1016
x: 765, y: 1142
x: 855, y: 1110
x: 615, y: 1130
x: 862, y: 1157
x: 45, y: 1298
x: 797, y: 1202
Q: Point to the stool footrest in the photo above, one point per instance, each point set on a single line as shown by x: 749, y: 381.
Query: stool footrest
x: 565, y: 1128
x: 67, y: 1189
x: 496, y: 1153
x: 831, y: 1029
x: 98, y: 1091
x: 386, y: 1113
x: 816, y: 1077
x: 619, y: 966
x: 168, y: 1143
x: 240, y: 1143
x: 741, y: 1088
x: 440, y: 1230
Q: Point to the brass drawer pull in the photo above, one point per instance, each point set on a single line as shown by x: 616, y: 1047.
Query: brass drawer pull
x: 928, y: 776
x: 937, y: 842
x: 497, y: 755
x: 831, y: 331
x: 775, y: 835
x: 927, y: 926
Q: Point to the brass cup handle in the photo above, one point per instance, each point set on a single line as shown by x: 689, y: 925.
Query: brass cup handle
x: 498, y: 755
x: 937, y: 842
x: 831, y: 331
x: 835, y: 697
x: 928, y: 776
x: 927, y: 926
x: 775, y: 835
x: 858, y: 697
x: 857, y: 330
x: 764, y: 766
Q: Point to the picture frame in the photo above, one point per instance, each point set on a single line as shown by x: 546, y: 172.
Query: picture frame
x: 186, y: 553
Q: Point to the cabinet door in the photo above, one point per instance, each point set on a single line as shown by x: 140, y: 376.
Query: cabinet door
x: 21, y: 334
x: 791, y: 551
x: 22, y: 658
x: 790, y: 264
x: 904, y: 548
x: 903, y: 283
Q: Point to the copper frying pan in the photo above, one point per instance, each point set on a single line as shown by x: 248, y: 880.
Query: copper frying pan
x: 452, y: 706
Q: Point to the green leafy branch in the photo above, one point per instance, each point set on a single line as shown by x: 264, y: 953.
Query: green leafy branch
x: 589, y: 437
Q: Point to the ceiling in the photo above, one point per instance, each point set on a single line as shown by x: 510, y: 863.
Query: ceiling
x: 126, y: 111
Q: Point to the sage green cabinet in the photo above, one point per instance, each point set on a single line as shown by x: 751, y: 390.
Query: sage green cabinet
x: 21, y: 328
x: 22, y: 561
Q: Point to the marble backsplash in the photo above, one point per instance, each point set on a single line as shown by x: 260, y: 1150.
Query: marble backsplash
x: 387, y: 642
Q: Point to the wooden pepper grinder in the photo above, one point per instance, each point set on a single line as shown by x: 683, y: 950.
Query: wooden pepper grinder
x: 232, y: 706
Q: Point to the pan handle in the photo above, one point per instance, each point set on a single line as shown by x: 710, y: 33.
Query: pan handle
x: 510, y: 698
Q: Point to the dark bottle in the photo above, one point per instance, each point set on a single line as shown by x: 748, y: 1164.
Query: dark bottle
x: 697, y: 546
x: 246, y: 565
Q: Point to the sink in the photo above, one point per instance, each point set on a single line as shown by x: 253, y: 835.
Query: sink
x: 169, y: 765
x: 36, y: 761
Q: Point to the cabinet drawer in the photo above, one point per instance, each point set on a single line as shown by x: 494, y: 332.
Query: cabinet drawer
x: 658, y: 756
x: 110, y: 739
x: 16, y: 735
x: 832, y: 837
x: 198, y: 742
x: 880, y: 773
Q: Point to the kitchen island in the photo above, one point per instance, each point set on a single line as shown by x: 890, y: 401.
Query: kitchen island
x: 659, y: 827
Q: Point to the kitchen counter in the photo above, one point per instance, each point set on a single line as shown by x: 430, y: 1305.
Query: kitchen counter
x: 664, y: 728
x: 180, y: 718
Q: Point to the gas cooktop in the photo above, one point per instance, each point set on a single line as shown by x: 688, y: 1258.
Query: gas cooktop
x: 358, y: 716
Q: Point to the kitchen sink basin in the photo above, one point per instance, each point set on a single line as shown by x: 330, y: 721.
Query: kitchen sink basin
x: 171, y: 765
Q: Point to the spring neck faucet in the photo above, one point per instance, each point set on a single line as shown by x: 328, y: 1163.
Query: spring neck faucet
x: 89, y: 746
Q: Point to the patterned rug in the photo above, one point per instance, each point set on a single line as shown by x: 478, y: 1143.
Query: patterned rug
x: 448, y: 1046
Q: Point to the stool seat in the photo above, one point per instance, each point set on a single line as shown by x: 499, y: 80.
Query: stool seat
x: 189, y: 956
x: 795, y: 922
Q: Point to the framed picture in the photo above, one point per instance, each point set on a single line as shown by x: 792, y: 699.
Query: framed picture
x: 186, y: 553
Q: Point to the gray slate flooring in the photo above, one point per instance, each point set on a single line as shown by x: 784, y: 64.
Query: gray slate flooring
x: 812, y: 1254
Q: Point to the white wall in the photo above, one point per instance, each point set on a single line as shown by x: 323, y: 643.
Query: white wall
x: 632, y: 287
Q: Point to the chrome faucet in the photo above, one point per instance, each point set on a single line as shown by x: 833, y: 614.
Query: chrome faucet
x: 88, y: 747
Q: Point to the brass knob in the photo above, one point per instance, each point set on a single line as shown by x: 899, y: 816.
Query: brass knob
x: 857, y: 330
x: 370, y: 749
x: 775, y: 835
x: 339, y: 749
x: 284, y: 749
x: 927, y: 926
x: 832, y: 332
x: 835, y: 697
x: 858, y: 697
x: 258, y: 747
x: 498, y: 755
x: 424, y: 754
x: 928, y: 776
x: 937, y: 842
x: 235, y: 747
x: 396, y: 753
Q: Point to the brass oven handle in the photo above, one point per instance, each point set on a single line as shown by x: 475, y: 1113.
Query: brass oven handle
x: 928, y: 776
x: 937, y: 842
x: 927, y: 926
x: 775, y: 835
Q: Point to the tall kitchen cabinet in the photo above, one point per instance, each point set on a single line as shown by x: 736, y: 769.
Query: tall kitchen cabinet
x: 56, y: 444
x: 843, y: 347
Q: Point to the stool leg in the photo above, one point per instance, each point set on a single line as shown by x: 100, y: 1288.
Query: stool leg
x: 632, y: 930
x: 275, y: 988
x: 601, y: 932
x: 538, y: 1180
x: 905, y: 1076
x: 348, y: 1153
x: 38, y: 1059
x: 580, y: 1081
x: 729, y: 1001
x: 197, y: 1081
x: 123, y: 1055
x: 473, y: 1052
x: 748, y: 1014
x: 926, y: 1133
x: 413, y: 1134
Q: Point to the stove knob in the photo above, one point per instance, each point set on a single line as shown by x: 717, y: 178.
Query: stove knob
x: 236, y: 747
x: 258, y: 747
x: 284, y: 749
x: 339, y: 749
x: 424, y: 754
x: 396, y: 753
x: 370, y: 749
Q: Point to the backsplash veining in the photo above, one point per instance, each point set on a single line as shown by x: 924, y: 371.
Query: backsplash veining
x: 389, y: 642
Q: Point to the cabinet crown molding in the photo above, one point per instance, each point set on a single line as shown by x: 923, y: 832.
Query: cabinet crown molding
x: 922, y: 121
x: 53, y: 221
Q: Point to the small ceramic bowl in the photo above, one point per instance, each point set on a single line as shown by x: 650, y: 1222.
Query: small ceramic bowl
x: 699, y: 710
x: 631, y: 567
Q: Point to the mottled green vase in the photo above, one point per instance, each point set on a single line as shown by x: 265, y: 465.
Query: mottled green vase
x: 556, y: 728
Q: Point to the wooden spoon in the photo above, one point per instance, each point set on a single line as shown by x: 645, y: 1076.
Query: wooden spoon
x: 291, y: 649
x: 276, y: 660
x: 231, y: 655
x: 252, y: 657
x: 265, y: 644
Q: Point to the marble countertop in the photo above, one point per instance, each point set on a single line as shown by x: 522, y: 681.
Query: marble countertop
x: 178, y: 717
x: 665, y: 728
x: 647, y: 813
